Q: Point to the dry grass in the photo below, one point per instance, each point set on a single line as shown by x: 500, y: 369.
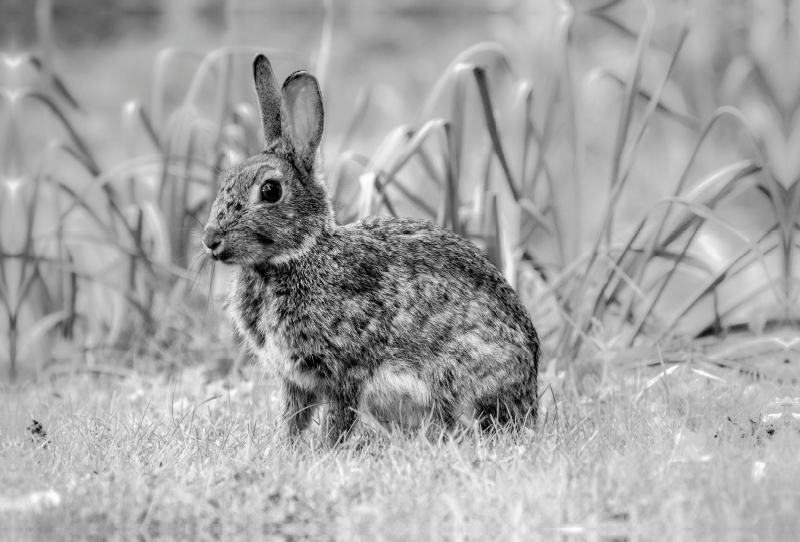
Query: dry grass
x: 617, y: 457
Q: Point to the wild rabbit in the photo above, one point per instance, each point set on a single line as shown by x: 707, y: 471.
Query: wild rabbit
x: 396, y: 318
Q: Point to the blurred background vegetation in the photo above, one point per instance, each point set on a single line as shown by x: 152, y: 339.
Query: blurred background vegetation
x: 630, y: 166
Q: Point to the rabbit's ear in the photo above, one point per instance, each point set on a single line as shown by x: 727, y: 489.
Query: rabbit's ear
x: 269, y: 98
x: 303, y: 117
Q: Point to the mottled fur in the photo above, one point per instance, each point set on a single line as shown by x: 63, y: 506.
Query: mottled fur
x: 397, y: 318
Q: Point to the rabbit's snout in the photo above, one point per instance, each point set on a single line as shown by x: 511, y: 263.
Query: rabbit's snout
x: 213, y: 241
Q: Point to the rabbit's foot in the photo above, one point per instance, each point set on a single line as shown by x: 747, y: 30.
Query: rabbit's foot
x: 339, y: 422
x: 297, y: 410
x: 508, y: 409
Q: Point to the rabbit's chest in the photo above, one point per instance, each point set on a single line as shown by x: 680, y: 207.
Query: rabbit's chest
x: 267, y: 337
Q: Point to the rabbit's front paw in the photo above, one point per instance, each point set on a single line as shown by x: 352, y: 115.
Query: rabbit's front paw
x: 341, y: 418
x: 297, y: 410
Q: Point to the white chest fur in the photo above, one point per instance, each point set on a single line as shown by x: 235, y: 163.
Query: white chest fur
x: 273, y: 353
x: 277, y: 360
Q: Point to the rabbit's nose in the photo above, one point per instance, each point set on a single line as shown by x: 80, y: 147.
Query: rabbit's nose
x: 212, y: 239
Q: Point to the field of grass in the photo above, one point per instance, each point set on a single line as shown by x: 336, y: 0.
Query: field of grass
x: 628, y: 166
x: 686, y: 455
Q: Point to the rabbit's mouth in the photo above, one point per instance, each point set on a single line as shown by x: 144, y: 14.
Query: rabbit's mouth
x: 219, y: 255
x: 220, y: 249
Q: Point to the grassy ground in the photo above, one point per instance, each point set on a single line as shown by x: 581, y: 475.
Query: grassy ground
x: 634, y: 455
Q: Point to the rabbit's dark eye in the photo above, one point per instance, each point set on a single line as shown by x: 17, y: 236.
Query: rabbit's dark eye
x: 271, y: 191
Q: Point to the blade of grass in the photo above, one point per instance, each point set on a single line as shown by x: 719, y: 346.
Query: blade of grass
x: 451, y: 195
x: 491, y: 125
x: 408, y: 150
x: 683, y: 119
x: 222, y: 112
x: 652, y: 105
x: 133, y: 117
x: 322, y: 60
x: 632, y: 85
x: 709, y: 192
x: 161, y: 68
x: 491, y: 49
x: 82, y: 149
x: 335, y: 177
x: 706, y: 214
x: 59, y: 88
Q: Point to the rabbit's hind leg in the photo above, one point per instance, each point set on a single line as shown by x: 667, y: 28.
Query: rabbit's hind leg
x: 397, y: 396
x: 510, y: 407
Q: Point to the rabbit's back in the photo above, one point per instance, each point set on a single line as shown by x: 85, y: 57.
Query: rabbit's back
x: 445, y: 271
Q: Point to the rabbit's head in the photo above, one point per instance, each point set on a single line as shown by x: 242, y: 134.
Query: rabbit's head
x: 272, y: 207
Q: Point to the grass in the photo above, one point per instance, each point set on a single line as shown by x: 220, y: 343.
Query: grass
x: 619, y: 456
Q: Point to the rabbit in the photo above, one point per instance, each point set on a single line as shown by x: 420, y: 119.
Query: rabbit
x: 396, y: 318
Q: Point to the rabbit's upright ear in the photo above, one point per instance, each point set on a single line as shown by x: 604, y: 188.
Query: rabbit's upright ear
x: 269, y: 98
x: 303, y: 117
